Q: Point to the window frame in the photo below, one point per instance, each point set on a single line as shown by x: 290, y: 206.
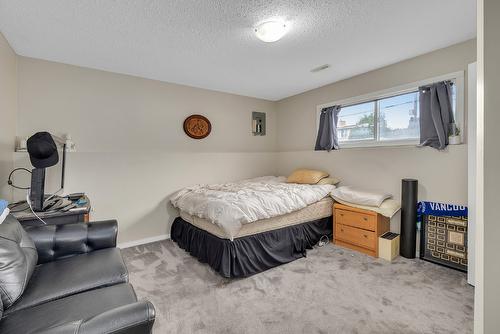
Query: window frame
x: 456, y: 77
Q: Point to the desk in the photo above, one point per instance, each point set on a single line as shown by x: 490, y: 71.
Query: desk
x: 52, y: 217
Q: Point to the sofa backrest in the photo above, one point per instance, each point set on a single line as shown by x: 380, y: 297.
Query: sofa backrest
x: 18, y: 257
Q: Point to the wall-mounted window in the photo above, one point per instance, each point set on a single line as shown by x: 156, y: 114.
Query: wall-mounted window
x: 390, y: 117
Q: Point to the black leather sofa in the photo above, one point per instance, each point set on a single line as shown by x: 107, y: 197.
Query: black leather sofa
x: 79, y: 284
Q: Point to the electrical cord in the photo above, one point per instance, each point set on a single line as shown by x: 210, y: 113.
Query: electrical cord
x: 324, y: 240
x: 28, y: 200
x: 9, y: 181
x: 28, y: 193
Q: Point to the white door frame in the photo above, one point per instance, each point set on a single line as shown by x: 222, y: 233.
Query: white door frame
x: 471, y: 169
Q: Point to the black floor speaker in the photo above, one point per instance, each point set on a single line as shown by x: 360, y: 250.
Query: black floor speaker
x: 409, y: 197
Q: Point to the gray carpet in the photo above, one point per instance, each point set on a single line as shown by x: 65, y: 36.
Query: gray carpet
x: 333, y: 290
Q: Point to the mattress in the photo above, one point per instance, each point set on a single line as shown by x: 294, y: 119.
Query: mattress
x: 318, y: 210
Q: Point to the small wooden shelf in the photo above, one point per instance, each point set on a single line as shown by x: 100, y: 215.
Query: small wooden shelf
x: 358, y: 229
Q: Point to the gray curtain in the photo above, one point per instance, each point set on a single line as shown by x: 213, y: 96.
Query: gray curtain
x: 436, y: 114
x: 327, y: 133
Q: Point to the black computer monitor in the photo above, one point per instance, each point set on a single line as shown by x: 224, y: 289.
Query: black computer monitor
x: 37, y: 189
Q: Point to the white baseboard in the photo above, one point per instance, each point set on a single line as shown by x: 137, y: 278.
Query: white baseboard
x: 143, y: 241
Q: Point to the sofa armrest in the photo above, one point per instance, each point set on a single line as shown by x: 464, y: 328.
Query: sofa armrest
x: 129, y: 319
x: 136, y: 318
x: 58, y: 241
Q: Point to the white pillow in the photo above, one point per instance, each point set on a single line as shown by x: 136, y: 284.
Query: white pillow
x: 360, y: 196
x: 388, y: 208
x: 329, y: 180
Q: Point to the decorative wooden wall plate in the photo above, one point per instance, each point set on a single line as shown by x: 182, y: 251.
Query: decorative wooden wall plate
x: 197, y: 126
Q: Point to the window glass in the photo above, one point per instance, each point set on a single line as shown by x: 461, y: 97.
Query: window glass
x: 356, y: 122
x: 454, y: 100
x: 391, y: 119
x: 399, y: 117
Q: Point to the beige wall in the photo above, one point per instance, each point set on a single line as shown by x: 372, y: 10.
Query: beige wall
x: 108, y: 112
x: 131, y: 149
x: 132, y: 152
x: 487, y: 296
x: 8, y: 109
x: 442, y: 175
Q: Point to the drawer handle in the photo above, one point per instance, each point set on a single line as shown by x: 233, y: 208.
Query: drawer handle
x: 341, y: 230
x: 365, y: 218
x: 365, y: 235
x: 342, y: 215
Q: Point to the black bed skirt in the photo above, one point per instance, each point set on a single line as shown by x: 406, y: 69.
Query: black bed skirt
x: 251, y: 254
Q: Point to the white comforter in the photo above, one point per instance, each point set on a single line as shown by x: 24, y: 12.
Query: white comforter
x: 230, y: 205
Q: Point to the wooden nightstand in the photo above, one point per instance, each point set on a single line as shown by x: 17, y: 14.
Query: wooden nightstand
x: 358, y: 229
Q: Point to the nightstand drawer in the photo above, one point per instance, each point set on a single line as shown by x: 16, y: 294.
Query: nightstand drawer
x: 355, y: 236
x: 355, y: 219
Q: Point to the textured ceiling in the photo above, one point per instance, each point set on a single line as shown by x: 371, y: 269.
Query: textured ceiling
x: 210, y: 43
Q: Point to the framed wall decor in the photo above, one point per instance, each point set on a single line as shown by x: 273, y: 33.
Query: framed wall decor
x: 443, y: 234
x: 197, y: 126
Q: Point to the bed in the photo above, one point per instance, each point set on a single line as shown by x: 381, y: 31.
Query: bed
x: 243, y: 228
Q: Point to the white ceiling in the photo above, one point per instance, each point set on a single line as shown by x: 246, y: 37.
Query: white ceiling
x: 211, y: 44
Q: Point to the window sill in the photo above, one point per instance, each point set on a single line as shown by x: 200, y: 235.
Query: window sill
x: 392, y: 143
x: 408, y: 144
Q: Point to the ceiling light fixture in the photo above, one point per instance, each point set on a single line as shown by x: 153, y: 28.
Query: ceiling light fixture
x: 270, y: 31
